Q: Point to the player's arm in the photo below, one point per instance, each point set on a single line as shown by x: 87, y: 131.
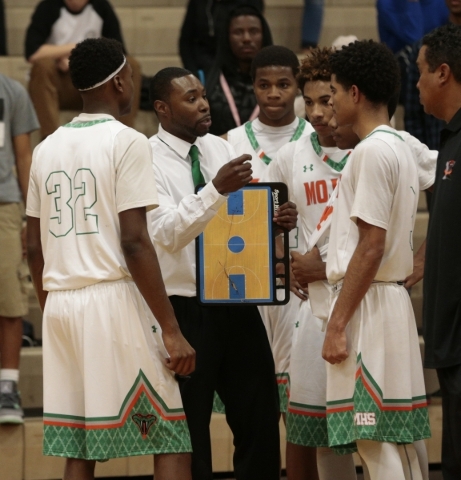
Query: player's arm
x: 175, y: 226
x: 142, y: 263
x: 418, y: 267
x: 35, y: 258
x: 360, y: 273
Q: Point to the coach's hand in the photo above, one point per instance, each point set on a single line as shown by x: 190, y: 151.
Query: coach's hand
x: 286, y: 216
x: 233, y: 175
x: 335, y: 345
x: 182, y: 355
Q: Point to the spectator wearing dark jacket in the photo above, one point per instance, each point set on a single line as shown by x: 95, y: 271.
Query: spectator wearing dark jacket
x: 229, y: 84
x: 200, y: 30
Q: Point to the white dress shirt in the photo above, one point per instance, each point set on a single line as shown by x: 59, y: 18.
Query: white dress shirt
x: 182, y: 215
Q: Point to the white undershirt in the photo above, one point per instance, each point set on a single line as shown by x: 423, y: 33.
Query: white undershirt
x: 272, y: 139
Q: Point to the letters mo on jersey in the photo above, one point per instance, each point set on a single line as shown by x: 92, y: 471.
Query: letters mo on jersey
x: 367, y: 419
x: 317, y: 191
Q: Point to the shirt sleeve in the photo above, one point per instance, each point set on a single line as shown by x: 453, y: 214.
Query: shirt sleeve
x: 374, y: 178
x: 426, y: 160
x: 33, y: 193
x: 43, y: 18
x: 134, y: 178
x: 176, y: 225
x: 23, y: 117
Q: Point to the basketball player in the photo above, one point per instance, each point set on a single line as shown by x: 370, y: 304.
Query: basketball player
x: 274, y: 71
x: 233, y: 353
x: 375, y: 388
x: 309, y: 267
x: 310, y: 167
x: 111, y: 340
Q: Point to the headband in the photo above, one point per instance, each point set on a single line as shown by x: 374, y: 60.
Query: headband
x: 112, y: 75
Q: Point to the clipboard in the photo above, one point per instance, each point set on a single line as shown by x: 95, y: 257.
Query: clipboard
x: 236, y: 253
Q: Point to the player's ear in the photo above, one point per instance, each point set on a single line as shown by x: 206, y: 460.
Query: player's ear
x: 354, y: 92
x: 118, y: 83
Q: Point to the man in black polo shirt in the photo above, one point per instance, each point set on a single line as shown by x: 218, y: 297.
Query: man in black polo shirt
x: 439, y: 63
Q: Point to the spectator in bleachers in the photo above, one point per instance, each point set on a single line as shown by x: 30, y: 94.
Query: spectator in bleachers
x: 17, y: 120
x: 200, y: 30
x: 312, y: 23
x: 56, y: 27
x: 229, y: 84
x: 403, y: 22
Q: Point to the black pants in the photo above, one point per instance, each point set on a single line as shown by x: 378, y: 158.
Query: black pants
x: 450, y: 386
x: 233, y: 358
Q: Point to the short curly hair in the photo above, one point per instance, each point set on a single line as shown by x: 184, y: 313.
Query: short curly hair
x: 315, y: 67
x: 160, y: 84
x: 370, y: 66
x: 275, y: 55
x: 444, y: 46
x: 93, y: 60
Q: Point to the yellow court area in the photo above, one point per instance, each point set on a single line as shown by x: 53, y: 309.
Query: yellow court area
x: 236, y: 249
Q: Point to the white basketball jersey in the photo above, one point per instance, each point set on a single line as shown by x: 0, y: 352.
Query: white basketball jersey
x: 82, y: 177
x: 263, y: 142
x: 380, y: 186
x: 311, y: 173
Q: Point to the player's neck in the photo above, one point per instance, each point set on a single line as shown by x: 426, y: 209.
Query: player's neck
x: 326, y: 141
x: 103, y: 107
x: 369, y: 119
x: 280, y: 122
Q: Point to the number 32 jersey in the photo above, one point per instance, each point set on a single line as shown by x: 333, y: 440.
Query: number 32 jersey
x: 82, y: 177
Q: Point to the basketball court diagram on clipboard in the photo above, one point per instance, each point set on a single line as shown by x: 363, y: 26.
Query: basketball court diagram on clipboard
x: 236, y: 255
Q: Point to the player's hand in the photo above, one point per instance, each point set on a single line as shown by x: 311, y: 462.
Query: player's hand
x: 335, y: 345
x: 233, y: 175
x: 296, y: 288
x: 308, y: 268
x: 182, y: 355
x: 418, y: 272
x: 286, y: 216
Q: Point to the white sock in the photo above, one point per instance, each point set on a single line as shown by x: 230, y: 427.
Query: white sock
x: 421, y: 451
x: 382, y: 459
x: 332, y: 467
x: 9, y: 374
x: 410, y: 462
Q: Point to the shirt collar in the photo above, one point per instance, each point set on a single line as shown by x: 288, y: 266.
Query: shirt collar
x: 181, y: 147
x: 91, y: 117
x: 455, y: 123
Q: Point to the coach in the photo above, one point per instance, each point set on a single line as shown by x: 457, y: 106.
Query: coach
x: 439, y: 63
x: 233, y: 352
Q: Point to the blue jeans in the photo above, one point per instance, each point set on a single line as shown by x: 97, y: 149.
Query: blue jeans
x: 312, y: 22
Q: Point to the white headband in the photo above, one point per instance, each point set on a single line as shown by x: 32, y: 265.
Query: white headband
x: 112, y: 75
